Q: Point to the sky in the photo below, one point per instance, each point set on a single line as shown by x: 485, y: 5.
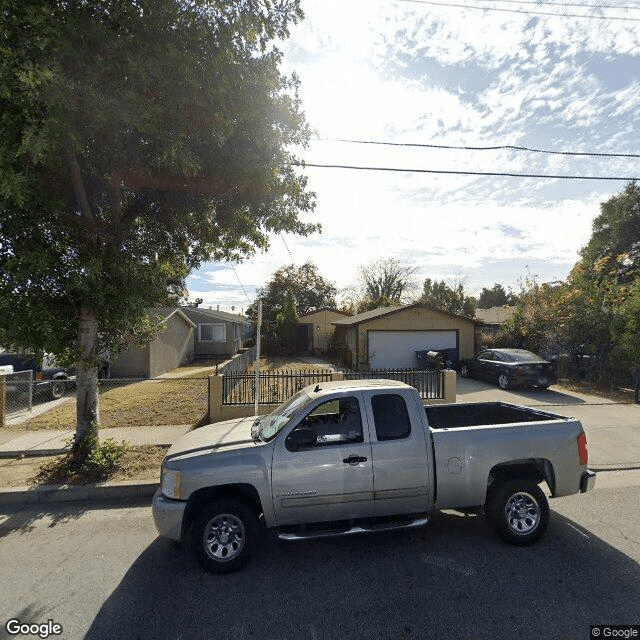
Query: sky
x: 449, y: 74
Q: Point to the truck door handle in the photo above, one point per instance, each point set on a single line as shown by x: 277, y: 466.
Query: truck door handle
x: 353, y: 460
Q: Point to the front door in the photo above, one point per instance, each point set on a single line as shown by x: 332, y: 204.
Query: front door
x: 331, y: 479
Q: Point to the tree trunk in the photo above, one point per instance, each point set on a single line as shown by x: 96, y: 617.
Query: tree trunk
x: 87, y: 409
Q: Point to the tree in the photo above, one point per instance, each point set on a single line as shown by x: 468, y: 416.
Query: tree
x: 309, y: 289
x: 495, y: 297
x: 137, y: 140
x: 383, y: 283
x: 451, y: 298
x: 286, y: 323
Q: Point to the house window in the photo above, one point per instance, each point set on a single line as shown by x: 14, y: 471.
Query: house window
x: 212, y: 333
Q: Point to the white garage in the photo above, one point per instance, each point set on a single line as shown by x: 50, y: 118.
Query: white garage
x: 397, y: 349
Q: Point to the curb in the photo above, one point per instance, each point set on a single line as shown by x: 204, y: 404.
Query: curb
x: 33, y: 453
x: 51, y: 494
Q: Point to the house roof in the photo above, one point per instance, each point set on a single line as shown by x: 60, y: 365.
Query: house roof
x: 310, y: 313
x: 207, y: 315
x: 495, y: 315
x: 159, y: 314
x: 385, y: 311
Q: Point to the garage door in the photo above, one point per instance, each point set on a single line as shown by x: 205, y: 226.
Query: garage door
x: 397, y: 349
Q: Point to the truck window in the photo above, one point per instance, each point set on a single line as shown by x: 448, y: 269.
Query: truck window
x: 336, y: 421
x: 391, y: 417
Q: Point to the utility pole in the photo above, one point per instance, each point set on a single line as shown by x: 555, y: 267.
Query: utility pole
x: 257, y: 394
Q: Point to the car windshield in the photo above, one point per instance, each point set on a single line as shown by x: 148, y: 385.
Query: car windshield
x: 520, y: 355
x: 276, y: 420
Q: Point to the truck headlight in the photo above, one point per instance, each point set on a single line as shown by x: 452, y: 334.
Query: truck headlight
x: 170, y: 480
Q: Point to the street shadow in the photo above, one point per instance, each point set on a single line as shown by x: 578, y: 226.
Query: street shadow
x: 22, y: 518
x: 453, y: 578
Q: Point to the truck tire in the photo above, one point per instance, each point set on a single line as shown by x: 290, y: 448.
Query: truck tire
x: 518, y: 512
x: 225, y: 534
x: 503, y: 381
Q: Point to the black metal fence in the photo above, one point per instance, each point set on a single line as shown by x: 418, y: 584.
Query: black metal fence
x: 430, y: 384
x: 240, y: 388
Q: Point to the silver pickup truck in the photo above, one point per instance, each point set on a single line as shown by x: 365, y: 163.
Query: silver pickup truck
x: 349, y: 457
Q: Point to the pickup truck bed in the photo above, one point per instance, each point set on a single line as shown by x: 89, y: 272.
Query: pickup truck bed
x: 453, y: 416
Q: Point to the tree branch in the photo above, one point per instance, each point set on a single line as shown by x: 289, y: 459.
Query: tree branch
x: 82, y: 200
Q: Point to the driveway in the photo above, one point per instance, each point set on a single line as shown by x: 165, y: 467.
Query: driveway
x: 612, y: 428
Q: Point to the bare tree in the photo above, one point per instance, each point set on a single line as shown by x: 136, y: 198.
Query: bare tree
x: 386, y: 282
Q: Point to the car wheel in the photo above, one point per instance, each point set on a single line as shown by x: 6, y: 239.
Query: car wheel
x: 518, y: 511
x: 57, y: 389
x: 503, y: 381
x: 464, y: 371
x: 224, y: 535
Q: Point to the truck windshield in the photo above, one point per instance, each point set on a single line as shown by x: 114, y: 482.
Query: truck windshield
x: 276, y: 420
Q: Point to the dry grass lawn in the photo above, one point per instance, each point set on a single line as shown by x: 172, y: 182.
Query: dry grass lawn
x: 145, y: 403
x: 282, y: 364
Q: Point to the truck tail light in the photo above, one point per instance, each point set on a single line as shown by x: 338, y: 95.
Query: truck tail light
x: 39, y: 375
x: 582, y: 449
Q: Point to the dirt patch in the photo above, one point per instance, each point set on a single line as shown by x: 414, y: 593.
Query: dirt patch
x: 139, y: 463
x: 283, y: 364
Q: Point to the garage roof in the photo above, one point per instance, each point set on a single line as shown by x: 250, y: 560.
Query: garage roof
x: 384, y: 311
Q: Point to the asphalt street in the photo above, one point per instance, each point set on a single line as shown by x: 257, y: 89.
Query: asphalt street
x: 103, y: 574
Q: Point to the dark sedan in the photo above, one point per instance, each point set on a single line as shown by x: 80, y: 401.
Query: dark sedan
x: 509, y: 368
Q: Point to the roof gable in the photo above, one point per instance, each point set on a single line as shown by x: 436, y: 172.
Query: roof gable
x: 386, y: 311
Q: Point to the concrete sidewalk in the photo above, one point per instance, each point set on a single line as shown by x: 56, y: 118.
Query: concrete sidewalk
x: 46, y: 442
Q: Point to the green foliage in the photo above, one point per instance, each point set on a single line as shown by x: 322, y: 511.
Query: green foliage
x: 88, y: 461
x: 309, y: 289
x: 596, y: 312
x: 286, y: 323
x: 449, y: 298
x: 137, y: 140
x: 495, y: 297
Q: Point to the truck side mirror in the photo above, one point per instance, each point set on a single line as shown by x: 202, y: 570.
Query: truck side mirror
x: 301, y: 437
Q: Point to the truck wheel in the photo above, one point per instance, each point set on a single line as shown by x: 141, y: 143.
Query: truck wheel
x: 503, y: 381
x: 224, y: 536
x: 57, y: 389
x: 464, y: 371
x: 518, y: 511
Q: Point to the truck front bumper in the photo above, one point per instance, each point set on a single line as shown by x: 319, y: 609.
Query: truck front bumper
x: 588, y: 481
x: 167, y: 516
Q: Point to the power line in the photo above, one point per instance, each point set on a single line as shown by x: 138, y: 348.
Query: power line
x: 521, y: 11
x: 466, y: 173
x: 289, y: 252
x: 586, y: 5
x: 490, y: 148
x: 241, y: 285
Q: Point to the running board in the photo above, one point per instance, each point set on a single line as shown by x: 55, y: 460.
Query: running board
x: 354, y: 530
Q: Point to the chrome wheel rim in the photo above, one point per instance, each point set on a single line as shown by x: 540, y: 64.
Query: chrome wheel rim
x: 522, y: 513
x: 224, y: 537
x: 464, y: 371
x: 503, y: 381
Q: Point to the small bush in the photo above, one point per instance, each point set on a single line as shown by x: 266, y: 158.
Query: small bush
x: 88, y: 461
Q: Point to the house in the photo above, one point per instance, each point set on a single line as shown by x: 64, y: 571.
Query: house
x: 388, y: 338
x: 492, y: 319
x: 218, y: 333
x: 315, y: 330
x: 170, y: 348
